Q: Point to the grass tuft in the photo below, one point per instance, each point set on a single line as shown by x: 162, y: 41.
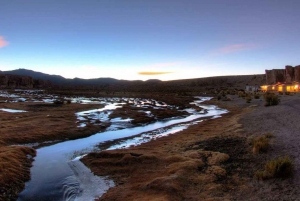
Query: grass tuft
x: 278, y: 168
x: 260, y: 144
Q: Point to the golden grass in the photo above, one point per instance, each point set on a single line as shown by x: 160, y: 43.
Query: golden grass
x: 15, y: 163
x: 282, y: 167
x: 261, y: 144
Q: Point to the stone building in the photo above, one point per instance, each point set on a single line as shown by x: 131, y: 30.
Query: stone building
x: 288, y: 75
x: 283, y: 80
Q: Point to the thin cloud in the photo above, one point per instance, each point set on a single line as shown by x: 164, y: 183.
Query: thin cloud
x: 160, y: 68
x: 3, y: 42
x: 153, y: 73
x: 234, y: 48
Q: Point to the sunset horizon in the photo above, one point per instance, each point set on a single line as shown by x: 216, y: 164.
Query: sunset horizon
x: 135, y: 40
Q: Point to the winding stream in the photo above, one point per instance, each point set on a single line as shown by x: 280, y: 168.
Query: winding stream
x: 57, y: 173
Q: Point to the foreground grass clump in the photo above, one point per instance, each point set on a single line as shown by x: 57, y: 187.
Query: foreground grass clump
x: 278, y: 168
x: 15, y: 163
x: 262, y: 143
x: 271, y: 99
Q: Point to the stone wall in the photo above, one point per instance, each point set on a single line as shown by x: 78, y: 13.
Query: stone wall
x: 288, y: 75
x: 275, y: 75
x: 297, y: 73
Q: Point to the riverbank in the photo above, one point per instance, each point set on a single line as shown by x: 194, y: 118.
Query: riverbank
x: 211, y: 160
x: 39, y: 124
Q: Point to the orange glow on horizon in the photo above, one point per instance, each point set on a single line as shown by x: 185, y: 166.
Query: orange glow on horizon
x: 152, y: 73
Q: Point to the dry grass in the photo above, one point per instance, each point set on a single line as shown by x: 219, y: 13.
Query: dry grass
x: 278, y: 168
x: 15, y: 163
x: 43, y: 122
x: 261, y: 144
x: 191, y: 165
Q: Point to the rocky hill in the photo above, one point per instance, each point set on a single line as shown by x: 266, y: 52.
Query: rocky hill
x: 19, y: 81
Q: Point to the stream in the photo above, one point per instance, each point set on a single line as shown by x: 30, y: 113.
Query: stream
x: 57, y: 173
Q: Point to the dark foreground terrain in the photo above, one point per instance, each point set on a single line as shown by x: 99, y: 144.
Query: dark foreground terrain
x: 211, y: 160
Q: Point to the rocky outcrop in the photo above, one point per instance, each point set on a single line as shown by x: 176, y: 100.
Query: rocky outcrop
x: 274, y: 76
x: 18, y: 81
x: 288, y: 75
x: 297, y: 73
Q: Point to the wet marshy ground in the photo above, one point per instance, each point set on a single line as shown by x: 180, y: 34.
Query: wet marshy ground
x: 120, y: 122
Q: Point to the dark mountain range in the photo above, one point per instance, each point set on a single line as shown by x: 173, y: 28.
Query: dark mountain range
x: 59, y: 80
x: 110, y: 84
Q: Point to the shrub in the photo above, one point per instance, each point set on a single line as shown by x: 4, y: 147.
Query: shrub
x: 242, y: 94
x: 260, y: 144
x: 282, y: 167
x: 271, y: 99
x: 248, y: 98
x: 256, y: 96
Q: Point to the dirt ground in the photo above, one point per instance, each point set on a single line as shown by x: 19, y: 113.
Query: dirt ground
x: 211, y: 160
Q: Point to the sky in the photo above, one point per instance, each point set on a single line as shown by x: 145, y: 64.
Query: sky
x: 142, y: 39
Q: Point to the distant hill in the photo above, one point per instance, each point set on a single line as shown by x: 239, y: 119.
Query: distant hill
x: 152, y: 85
x: 57, y: 79
x: 36, y: 75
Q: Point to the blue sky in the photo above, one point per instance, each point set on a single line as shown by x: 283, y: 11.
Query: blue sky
x: 157, y: 39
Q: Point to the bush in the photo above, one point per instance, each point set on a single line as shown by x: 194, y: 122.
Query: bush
x: 248, y: 98
x: 242, y: 94
x: 278, y: 168
x: 271, y: 99
x: 260, y: 144
x: 256, y: 96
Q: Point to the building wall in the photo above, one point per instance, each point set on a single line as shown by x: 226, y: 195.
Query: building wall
x: 288, y: 75
x: 275, y: 75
